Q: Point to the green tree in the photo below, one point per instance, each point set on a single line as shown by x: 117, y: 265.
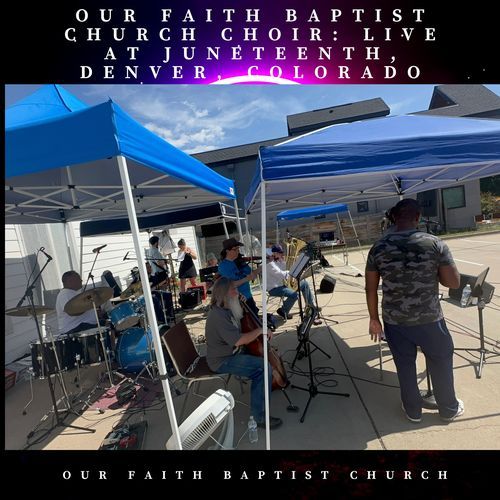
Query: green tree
x: 489, y: 203
x: 491, y: 185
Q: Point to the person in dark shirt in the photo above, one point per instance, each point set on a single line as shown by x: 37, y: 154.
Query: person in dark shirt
x: 411, y: 264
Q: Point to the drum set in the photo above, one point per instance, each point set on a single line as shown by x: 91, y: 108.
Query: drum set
x: 125, y: 338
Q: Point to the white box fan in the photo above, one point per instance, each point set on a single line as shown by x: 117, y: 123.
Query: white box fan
x: 205, y: 420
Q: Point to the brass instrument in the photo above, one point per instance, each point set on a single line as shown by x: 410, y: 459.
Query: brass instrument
x: 293, y: 247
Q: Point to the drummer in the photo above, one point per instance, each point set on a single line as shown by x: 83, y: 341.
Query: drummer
x: 72, y: 286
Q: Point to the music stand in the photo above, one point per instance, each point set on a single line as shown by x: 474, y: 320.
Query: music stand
x: 477, y: 291
x: 298, y: 267
x: 312, y: 389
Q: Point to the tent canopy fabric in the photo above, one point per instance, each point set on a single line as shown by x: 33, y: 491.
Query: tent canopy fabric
x: 309, y: 212
x: 375, y: 159
x: 193, y: 216
x: 61, y: 165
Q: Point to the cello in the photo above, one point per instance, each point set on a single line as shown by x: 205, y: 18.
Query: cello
x: 250, y: 321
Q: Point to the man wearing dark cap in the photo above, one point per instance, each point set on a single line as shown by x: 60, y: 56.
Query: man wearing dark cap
x: 411, y: 264
x: 276, y: 287
x: 239, y: 272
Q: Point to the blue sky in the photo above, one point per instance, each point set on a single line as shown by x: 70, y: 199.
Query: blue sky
x: 198, y: 118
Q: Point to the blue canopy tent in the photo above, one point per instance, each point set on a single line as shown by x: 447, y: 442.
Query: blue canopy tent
x: 371, y: 159
x: 317, y: 212
x: 67, y: 161
x: 312, y: 212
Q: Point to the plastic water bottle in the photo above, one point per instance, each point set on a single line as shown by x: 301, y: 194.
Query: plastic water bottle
x: 465, y: 295
x: 253, y: 435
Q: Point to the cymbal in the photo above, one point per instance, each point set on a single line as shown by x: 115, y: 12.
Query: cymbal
x: 133, y: 289
x: 83, y: 301
x: 28, y: 311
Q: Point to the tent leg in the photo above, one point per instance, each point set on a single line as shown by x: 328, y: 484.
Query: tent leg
x: 238, y: 221
x: 129, y: 200
x: 264, y: 307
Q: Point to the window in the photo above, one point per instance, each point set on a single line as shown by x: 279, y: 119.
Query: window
x: 454, y: 197
x: 362, y: 206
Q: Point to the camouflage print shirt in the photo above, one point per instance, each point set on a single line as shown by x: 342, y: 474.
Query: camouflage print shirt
x: 408, y: 263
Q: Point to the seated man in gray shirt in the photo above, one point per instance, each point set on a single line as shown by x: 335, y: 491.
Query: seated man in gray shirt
x: 224, y: 338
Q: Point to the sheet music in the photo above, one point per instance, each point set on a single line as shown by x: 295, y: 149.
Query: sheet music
x: 299, y: 265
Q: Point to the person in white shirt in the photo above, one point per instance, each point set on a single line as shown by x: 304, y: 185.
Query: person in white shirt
x: 276, y: 276
x: 72, y: 283
x: 157, y: 261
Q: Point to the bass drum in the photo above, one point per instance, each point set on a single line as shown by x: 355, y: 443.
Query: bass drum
x: 134, y: 349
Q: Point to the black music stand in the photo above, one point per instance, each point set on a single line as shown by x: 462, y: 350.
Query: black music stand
x: 303, y: 333
x: 28, y: 294
x: 477, y: 291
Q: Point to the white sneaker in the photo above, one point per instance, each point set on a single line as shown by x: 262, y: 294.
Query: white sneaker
x: 411, y: 419
x: 459, y: 412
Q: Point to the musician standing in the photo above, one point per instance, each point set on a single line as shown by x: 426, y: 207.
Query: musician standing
x: 72, y: 286
x: 224, y: 340
x: 276, y: 276
x: 187, y: 270
x: 159, y: 270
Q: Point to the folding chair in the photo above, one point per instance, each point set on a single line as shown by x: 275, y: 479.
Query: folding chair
x: 190, y: 366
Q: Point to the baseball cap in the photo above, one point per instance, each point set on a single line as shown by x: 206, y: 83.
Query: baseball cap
x: 230, y: 243
x: 277, y: 249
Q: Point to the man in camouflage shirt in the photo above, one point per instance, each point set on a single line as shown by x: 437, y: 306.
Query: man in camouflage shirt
x: 412, y: 264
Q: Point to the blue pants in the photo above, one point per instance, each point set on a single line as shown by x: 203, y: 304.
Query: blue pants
x: 252, y: 367
x: 291, y: 296
x: 437, y: 346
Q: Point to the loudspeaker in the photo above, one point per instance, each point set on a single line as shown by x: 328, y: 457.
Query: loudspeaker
x: 456, y: 293
x: 327, y: 284
x: 190, y: 299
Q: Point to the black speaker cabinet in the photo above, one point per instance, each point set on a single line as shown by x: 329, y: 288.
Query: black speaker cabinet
x: 190, y: 299
x: 456, y: 293
x: 327, y: 284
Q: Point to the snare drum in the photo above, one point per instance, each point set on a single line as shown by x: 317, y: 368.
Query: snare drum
x: 124, y: 316
x: 87, y: 344
x: 134, y: 349
x: 63, y: 350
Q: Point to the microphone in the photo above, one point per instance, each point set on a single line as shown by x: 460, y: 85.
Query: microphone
x: 42, y: 249
x: 98, y: 249
x: 125, y: 258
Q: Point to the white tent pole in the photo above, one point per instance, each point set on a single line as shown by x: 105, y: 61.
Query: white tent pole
x: 225, y: 227
x: 277, y: 232
x: 264, y: 308
x: 66, y: 237
x: 238, y: 222
x: 81, y: 255
x: 129, y: 200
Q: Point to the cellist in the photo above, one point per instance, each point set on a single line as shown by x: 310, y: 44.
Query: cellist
x: 225, y: 344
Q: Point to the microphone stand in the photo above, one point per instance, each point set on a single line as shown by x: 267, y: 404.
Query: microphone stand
x: 28, y: 294
x: 91, y: 276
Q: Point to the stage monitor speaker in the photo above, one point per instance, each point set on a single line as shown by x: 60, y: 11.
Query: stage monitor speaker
x: 456, y: 293
x: 190, y: 299
x: 327, y: 284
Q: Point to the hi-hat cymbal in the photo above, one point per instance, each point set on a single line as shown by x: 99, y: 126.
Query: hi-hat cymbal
x: 133, y: 289
x: 84, y: 301
x: 28, y: 311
